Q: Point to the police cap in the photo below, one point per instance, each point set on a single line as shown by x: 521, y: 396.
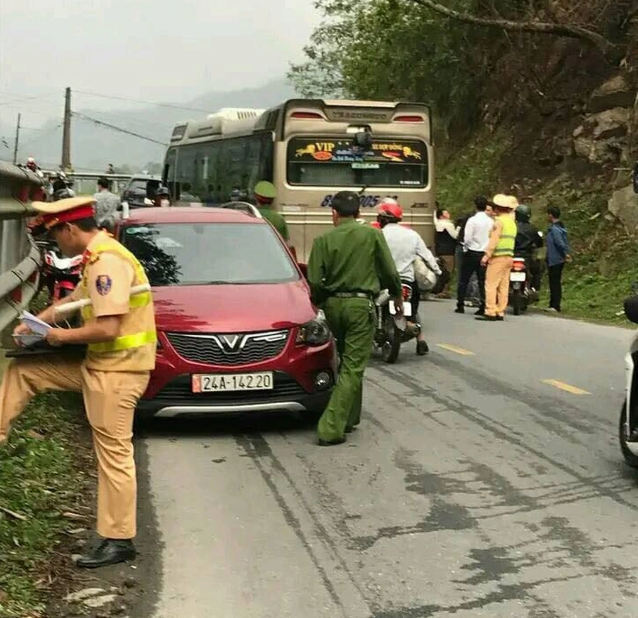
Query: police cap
x: 266, y: 190
x: 65, y: 210
x: 346, y: 203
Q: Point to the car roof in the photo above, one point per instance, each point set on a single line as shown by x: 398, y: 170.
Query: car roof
x: 189, y: 214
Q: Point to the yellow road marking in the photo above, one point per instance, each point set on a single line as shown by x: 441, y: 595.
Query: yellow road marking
x: 574, y: 390
x: 453, y: 348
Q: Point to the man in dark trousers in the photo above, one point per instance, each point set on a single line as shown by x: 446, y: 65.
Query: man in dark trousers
x: 558, y: 253
x: 476, y: 236
x: 348, y: 267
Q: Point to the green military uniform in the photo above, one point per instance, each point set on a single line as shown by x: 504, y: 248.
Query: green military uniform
x: 348, y: 267
x: 276, y: 220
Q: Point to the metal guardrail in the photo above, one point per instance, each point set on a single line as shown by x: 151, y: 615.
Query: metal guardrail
x: 20, y: 259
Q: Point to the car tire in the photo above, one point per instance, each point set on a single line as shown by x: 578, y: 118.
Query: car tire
x: 630, y: 458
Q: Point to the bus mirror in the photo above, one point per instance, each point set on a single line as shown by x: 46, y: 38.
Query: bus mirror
x: 635, y: 178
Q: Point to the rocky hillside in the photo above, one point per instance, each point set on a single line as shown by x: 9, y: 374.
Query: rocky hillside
x: 535, y: 97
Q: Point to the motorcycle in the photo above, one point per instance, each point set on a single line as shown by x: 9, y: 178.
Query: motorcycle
x: 521, y: 292
x: 60, y: 275
x: 393, y: 330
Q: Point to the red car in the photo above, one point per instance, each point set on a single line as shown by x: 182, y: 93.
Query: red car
x: 237, y: 330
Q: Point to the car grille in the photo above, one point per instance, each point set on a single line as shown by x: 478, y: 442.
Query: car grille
x: 179, y: 390
x: 229, y: 350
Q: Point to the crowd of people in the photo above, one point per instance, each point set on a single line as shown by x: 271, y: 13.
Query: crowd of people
x: 481, y: 246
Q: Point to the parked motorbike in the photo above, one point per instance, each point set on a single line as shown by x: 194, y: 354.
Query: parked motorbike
x: 60, y: 274
x: 521, y: 293
x: 392, y: 330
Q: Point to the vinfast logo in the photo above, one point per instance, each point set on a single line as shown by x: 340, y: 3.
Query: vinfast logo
x: 234, y: 344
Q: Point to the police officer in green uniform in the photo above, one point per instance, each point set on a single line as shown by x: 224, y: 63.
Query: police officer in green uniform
x: 348, y: 267
x: 265, y: 194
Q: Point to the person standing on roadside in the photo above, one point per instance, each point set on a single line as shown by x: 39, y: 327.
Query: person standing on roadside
x: 106, y: 204
x: 558, y: 253
x: 265, y: 194
x: 445, y: 243
x: 348, y: 267
x: 476, y: 239
x: 120, y: 335
x: 499, y: 258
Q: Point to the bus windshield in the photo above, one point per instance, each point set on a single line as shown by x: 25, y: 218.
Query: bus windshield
x: 336, y: 162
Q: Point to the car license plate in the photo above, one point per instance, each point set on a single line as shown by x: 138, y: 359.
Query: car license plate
x: 226, y: 382
x: 407, y: 309
x: 517, y: 276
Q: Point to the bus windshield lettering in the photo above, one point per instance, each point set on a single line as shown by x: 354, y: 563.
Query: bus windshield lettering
x: 321, y: 161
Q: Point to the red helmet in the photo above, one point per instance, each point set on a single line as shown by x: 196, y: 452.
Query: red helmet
x: 390, y: 208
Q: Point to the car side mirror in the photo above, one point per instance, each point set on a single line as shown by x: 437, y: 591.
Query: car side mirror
x: 304, y: 269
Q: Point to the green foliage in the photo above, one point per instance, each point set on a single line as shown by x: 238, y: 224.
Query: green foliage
x: 39, y: 483
x: 399, y: 50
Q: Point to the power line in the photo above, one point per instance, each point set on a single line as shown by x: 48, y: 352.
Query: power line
x: 110, y: 96
x: 37, y: 138
x: 120, y: 129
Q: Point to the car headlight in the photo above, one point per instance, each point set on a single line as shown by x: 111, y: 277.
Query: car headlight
x: 316, y: 332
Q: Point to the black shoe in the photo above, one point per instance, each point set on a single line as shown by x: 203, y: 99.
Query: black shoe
x: 480, y: 312
x: 422, y: 348
x: 321, y: 442
x: 110, y: 551
x: 486, y: 318
x: 350, y: 429
x: 459, y: 310
x: 500, y: 318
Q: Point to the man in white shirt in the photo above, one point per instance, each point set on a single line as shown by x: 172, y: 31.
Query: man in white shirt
x: 406, y: 246
x: 475, y: 241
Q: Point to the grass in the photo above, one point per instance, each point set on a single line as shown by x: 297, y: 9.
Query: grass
x: 40, y: 480
x: 598, y: 280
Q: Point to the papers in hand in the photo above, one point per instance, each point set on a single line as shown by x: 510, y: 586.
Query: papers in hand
x: 35, y: 324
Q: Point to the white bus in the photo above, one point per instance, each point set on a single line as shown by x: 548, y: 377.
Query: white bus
x: 310, y: 149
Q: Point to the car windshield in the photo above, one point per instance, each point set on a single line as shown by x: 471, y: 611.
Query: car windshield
x: 209, y: 253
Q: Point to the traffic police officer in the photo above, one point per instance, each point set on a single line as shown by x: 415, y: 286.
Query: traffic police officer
x: 348, y: 267
x: 499, y: 258
x: 119, y: 330
x: 265, y: 194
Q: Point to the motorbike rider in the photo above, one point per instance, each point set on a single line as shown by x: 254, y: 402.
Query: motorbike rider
x: 528, y: 240
x: 162, y: 198
x: 406, y: 246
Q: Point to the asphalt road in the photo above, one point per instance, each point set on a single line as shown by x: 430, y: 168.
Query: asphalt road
x: 473, y: 488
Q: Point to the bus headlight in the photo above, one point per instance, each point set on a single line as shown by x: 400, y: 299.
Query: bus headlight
x: 314, y: 333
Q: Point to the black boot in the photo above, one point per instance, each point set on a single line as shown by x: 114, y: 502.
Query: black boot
x: 110, y: 551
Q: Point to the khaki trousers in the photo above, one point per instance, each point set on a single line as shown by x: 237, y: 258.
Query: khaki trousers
x: 497, y: 285
x: 110, y: 399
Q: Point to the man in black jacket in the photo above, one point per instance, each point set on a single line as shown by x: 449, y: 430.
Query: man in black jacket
x: 528, y: 239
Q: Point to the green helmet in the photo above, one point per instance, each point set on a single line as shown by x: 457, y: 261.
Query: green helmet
x: 266, y: 190
x: 523, y: 213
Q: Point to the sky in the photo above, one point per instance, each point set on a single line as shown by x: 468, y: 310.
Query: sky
x: 171, y: 50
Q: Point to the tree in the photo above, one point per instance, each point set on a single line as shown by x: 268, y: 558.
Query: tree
x: 608, y: 49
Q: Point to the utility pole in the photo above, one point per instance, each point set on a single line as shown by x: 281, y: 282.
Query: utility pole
x: 66, y: 135
x: 15, y: 146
